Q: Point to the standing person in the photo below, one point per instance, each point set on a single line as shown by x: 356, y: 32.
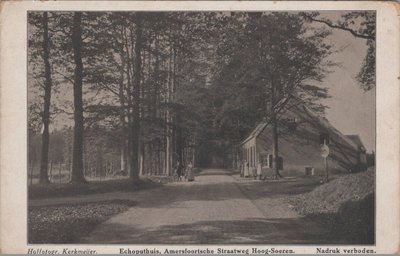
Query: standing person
x: 246, y: 169
x: 179, y: 169
x: 241, y: 168
x: 259, y: 169
x: 190, y: 172
x: 183, y: 172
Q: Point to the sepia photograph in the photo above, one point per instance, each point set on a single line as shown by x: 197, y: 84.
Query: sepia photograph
x: 201, y: 127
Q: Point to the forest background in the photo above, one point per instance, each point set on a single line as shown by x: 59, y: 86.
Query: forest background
x: 193, y: 94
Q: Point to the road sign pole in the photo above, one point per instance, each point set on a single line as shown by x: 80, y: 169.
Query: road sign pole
x: 326, y: 169
x: 325, y: 154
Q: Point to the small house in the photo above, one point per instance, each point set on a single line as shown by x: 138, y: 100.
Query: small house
x: 301, y: 134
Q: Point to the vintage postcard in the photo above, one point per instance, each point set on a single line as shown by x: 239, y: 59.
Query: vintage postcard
x: 204, y: 127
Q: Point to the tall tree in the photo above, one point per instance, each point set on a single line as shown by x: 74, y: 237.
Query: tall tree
x: 275, y: 54
x: 136, y: 99
x: 290, y: 59
x: 77, y: 154
x: 46, y: 105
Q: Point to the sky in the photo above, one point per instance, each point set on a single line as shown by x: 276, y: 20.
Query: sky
x: 351, y: 110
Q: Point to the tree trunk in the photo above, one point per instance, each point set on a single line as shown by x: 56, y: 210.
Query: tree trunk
x: 31, y: 171
x: 44, y: 179
x: 51, y: 171
x: 168, y: 154
x: 136, y: 102
x: 194, y: 143
x: 168, y: 119
x: 275, y: 135
x: 179, y: 139
x: 122, y: 119
x: 142, y: 148
x: 156, y: 88
x: 123, y: 162
x: 77, y: 153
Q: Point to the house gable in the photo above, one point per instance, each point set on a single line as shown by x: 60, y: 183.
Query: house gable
x: 300, y: 146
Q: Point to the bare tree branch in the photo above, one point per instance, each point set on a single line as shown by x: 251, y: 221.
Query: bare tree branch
x: 330, y: 24
x: 69, y: 79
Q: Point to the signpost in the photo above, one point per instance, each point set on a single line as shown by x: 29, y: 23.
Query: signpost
x: 325, y: 154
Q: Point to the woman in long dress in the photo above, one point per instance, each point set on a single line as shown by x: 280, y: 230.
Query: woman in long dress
x: 259, y: 170
x: 190, y: 172
x: 246, y: 169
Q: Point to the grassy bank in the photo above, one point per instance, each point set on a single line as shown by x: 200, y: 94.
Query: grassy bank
x: 353, y: 223
x: 38, y: 191
x: 345, y: 205
x: 67, y: 224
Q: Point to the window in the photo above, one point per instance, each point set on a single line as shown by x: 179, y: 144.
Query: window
x: 292, y: 124
x: 265, y: 161
x: 270, y: 164
x: 324, y: 138
x: 269, y: 161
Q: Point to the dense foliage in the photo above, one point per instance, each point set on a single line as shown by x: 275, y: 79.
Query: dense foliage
x: 163, y: 87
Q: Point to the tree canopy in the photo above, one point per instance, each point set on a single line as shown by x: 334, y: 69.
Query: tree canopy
x: 168, y: 86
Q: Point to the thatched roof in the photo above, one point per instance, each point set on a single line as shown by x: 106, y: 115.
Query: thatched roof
x: 352, y: 140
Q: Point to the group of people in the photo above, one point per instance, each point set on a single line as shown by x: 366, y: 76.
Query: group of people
x: 247, y: 171
x: 184, y: 173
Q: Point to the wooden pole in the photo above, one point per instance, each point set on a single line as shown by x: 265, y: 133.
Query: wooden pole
x: 70, y: 171
x: 106, y: 169
x: 51, y: 170
x: 111, y: 167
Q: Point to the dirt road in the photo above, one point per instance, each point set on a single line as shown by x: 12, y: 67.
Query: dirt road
x: 217, y: 208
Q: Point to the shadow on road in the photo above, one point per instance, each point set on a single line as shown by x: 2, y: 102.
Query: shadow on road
x: 283, y: 187
x: 212, y: 172
x: 205, y: 179
x: 208, y: 186
x: 249, y: 231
